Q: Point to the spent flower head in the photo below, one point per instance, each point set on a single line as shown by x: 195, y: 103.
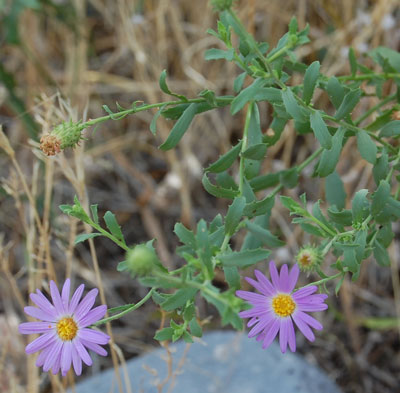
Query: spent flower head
x: 141, y: 260
x: 64, y: 329
x: 277, y: 307
x: 309, y: 258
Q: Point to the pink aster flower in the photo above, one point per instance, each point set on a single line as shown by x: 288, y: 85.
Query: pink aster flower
x: 64, y: 327
x: 277, y: 307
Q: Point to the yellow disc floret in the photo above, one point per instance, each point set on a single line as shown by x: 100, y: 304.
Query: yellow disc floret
x: 67, y: 329
x: 283, y: 305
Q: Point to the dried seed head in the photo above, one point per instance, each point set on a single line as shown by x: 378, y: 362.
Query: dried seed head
x: 309, y: 258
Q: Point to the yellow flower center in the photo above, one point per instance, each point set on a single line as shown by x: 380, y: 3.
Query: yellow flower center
x: 67, y: 328
x: 283, y: 305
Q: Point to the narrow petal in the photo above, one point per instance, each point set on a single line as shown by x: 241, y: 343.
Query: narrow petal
x: 53, y: 354
x: 86, y: 304
x: 293, y: 277
x: 38, y: 314
x: 35, y: 327
x: 262, y: 324
x: 304, y: 292
x: 75, y: 298
x: 291, y: 336
x: 94, y: 336
x: 42, y: 302
x: 65, y: 295
x: 82, y: 352
x: 268, y: 287
x: 284, y: 278
x: 303, y: 327
x: 312, y: 307
x: 309, y: 320
x: 251, y: 296
x: 283, y: 334
x: 252, y: 322
x: 254, y: 312
x: 41, y: 342
x: 94, y: 347
x: 274, y: 275
x: 55, y: 296
x: 56, y: 365
x: 93, y: 316
x: 76, y: 361
x: 271, y: 333
x: 42, y: 356
x: 66, y: 357
x: 313, y: 299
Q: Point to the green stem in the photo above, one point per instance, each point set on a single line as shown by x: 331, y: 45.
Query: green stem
x: 244, y: 146
x: 108, y: 235
x: 128, y: 310
x: 324, y: 280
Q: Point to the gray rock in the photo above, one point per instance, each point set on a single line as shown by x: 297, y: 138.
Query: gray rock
x: 221, y: 362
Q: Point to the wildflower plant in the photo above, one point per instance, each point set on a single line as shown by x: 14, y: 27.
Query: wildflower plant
x: 350, y: 233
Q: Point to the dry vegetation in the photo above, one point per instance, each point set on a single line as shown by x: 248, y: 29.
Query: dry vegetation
x: 108, y: 51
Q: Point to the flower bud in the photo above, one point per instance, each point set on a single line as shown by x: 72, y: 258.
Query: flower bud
x: 141, y: 260
x: 309, y: 258
x: 64, y: 135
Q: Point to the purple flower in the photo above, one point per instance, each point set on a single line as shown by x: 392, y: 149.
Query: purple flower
x: 278, y: 306
x: 64, y: 327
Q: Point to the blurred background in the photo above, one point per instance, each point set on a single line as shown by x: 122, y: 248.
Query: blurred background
x: 65, y: 59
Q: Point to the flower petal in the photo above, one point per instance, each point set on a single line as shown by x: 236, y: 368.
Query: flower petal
x: 82, y: 352
x: 93, y: 316
x: 52, y: 355
x: 94, y: 347
x: 312, y: 307
x: 86, y: 304
x: 75, y: 298
x: 306, y: 291
x: 284, y: 278
x: 41, y: 342
x: 35, y: 327
x: 293, y: 277
x: 66, y: 357
x: 268, y: 287
x: 55, y: 296
x: 65, y: 295
x: 283, y: 334
x: 262, y: 324
x: 251, y: 296
x: 42, y: 302
x: 76, y: 361
x: 309, y: 320
x: 42, y: 356
x: 274, y: 275
x: 38, y: 314
x: 303, y: 327
x: 94, y: 336
x: 291, y: 336
x: 271, y: 333
x: 56, y: 365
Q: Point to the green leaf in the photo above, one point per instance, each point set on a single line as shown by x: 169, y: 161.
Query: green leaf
x: 93, y: 209
x: 381, y: 168
x: 350, y: 260
x: 203, y: 246
x: 226, y: 160
x: 330, y: 158
x: 391, y: 129
x: 292, y: 205
x: 85, y: 236
x: 343, y: 217
x: 185, y: 235
x: 217, y: 54
x: 238, y: 82
x: 265, y: 181
x: 255, y: 152
x: 243, y: 259
x: 113, y: 226
x: 164, y: 87
x: 349, y: 102
x: 366, y: 147
x: 217, y: 191
x: 380, y: 198
x: 179, y: 298
x: 360, y: 206
x: 164, y: 334
x: 380, y: 253
x: 264, y: 235
x: 382, y: 53
x: 121, y: 267
x: 335, y: 91
x: 289, y: 177
x: 258, y: 208
x: 180, y: 127
x: 234, y: 215
x: 232, y: 276
x: 195, y: 328
x: 353, y: 62
x: 320, y: 130
x: 292, y: 107
x: 334, y: 190
x: 310, y: 80
x: 153, y: 124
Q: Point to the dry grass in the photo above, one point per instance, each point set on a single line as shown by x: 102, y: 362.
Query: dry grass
x: 115, y: 52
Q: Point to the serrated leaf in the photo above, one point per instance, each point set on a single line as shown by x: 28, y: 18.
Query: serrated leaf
x: 360, y: 206
x: 226, y: 160
x: 343, y: 217
x: 234, y: 215
x: 320, y: 130
x: 217, y: 191
x: 292, y: 205
x: 85, y: 236
x: 113, y: 226
x: 310, y: 80
x: 256, y: 152
x: 164, y: 334
x: 243, y: 259
x: 232, y: 276
x: 264, y: 235
x: 380, y: 198
x: 366, y: 147
x: 179, y: 298
x: 185, y: 235
x: 257, y: 208
x: 349, y: 102
x: 180, y: 127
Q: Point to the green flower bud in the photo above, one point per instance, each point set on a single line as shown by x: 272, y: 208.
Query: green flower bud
x: 141, y: 260
x: 222, y: 5
x: 309, y: 258
x: 64, y: 135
